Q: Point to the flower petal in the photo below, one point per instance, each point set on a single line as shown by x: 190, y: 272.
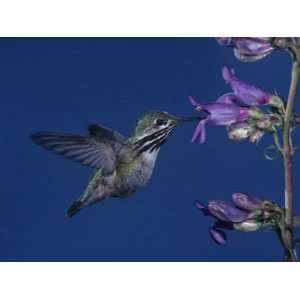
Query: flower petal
x: 226, y: 114
x: 228, y: 74
x: 217, y: 235
x: 246, y: 202
x: 228, y: 98
x: 244, y: 57
x: 202, y: 207
x: 200, y: 132
x: 226, y: 110
x: 248, y: 49
x: 252, y: 49
x: 225, y: 211
x: 247, y: 93
x: 193, y: 101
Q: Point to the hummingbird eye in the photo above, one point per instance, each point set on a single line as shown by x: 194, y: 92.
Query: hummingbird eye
x: 160, y: 122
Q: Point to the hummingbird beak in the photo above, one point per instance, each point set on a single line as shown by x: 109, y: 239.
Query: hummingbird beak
x: 198, y: 118
x: 190, y: 119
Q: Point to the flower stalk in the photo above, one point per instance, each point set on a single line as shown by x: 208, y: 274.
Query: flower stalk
x: 288, y: 152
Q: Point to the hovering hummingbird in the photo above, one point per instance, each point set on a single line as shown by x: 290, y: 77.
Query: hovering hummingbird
x: 121, y: 165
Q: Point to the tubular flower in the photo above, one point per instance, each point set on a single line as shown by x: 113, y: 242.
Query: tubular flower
x: 218, y: 114
x: 249, y: 94
x: 224, y: 111
x: 245, y: 213
x: 226, y: 212
x: 246, y: 202
x: 248, y: 49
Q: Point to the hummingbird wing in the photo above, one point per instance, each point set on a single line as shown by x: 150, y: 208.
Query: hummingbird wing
x: 103, y: 133
x: 95, y: 151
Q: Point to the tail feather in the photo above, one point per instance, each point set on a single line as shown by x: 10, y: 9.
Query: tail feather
x: 74, y: 208
x: 81, y: 203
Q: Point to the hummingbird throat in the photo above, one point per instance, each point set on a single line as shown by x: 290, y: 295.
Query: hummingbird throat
x: 153, y: 141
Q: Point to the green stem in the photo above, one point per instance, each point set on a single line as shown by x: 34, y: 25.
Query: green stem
x: 288, y: 153
x: 277, y: 142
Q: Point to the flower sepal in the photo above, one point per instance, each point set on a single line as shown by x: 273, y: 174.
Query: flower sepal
x: 277, y: 102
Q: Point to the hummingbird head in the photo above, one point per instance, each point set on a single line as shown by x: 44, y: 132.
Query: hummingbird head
x: 154, y: 127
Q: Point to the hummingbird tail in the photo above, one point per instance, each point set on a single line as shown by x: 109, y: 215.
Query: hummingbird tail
x: 74, y: 208
x: 82, y: 202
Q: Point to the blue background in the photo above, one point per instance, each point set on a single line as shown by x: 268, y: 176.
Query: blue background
x: 66, y: 84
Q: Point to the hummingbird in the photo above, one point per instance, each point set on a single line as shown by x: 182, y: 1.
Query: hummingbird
x: 121, y: 166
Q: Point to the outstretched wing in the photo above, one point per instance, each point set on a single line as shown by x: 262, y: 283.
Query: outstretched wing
x: 102, y: 133
x: 95, y: 151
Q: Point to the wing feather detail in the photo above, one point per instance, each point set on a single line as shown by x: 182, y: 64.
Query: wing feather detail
x: 93, y: 151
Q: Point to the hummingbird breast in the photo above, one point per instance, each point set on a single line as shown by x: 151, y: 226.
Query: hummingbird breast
x: 135, y: 174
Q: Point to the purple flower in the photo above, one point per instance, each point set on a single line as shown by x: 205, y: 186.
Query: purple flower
x: 246, y: 202
x: 226, y: 212
x: 246, y: 93
x: 215, y: 231
x: 243, y: 214
x: 248, y: 49
x: 226, y: 216
x: 221, y: 112
x: 229, y: 98
x: 235, y: 107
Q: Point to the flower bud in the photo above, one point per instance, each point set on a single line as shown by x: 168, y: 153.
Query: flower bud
x: 277, y: 102
x: 240, y: 131
x: 255, y: 113
x: 276, y: 120
x: 268, y: 122
x: 248, y: 49
x: 256, y: 136
x: 264, y: 123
